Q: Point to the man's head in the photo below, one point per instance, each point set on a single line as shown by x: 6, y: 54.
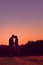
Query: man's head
x: 13, y: 36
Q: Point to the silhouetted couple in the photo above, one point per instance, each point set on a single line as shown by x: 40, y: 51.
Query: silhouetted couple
x: 12, y: 42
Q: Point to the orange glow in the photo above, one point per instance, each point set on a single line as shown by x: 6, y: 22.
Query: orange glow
x: 23, y: 36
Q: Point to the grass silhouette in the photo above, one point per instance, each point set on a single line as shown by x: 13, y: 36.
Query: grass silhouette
x: 34, y: 60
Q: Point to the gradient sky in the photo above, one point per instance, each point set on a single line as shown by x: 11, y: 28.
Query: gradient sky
x: 23, y: 18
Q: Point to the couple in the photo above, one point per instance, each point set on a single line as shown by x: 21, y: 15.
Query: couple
x: 12, y: 42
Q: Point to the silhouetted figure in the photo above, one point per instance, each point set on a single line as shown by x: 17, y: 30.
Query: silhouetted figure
x: 14, y: 44
x: 17, y: 49
x: 11, y: 41
x: 16, y: 41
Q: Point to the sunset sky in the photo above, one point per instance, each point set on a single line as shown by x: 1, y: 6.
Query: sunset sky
x: 23, y: 18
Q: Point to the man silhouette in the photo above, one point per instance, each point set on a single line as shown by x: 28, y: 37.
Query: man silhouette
x: 11, y: 41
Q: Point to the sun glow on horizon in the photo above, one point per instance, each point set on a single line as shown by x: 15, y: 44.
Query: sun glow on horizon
x: 22, y: 38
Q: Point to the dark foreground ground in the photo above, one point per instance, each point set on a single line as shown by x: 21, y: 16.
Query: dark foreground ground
x: 29, y: 60
x: 29, y: 49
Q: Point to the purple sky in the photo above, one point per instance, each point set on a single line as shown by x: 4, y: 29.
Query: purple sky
x: 21, y: 17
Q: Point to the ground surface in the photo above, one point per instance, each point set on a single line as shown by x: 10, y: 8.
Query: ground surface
x: 30, y: 60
